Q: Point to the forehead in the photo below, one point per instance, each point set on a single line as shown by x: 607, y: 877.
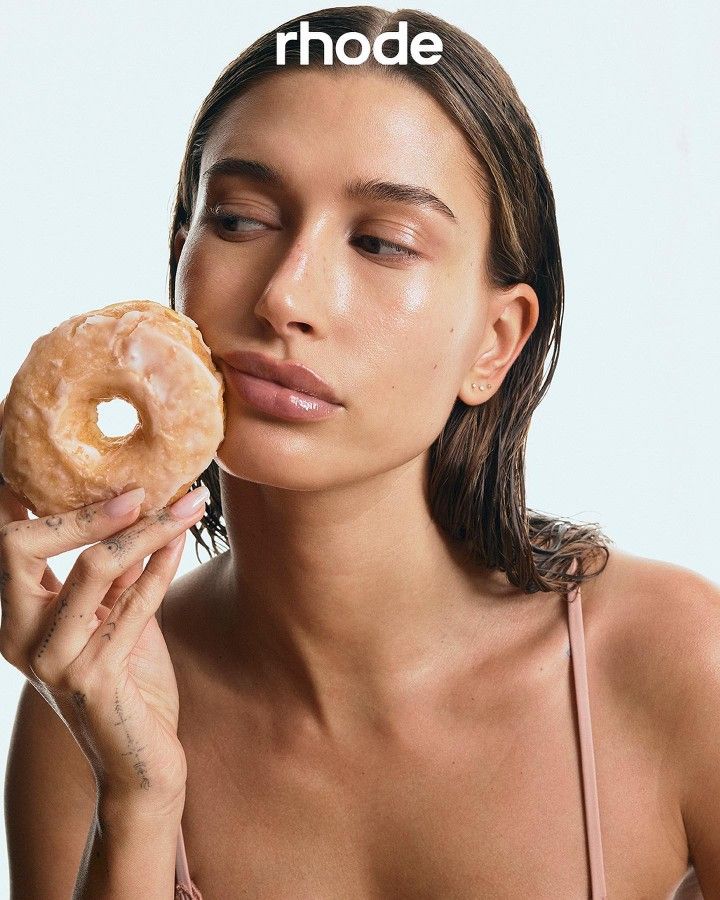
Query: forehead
x: 316, y: 125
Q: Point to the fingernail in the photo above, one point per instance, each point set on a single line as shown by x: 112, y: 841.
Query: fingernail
x: 187, y: 504
x: 123, y: 503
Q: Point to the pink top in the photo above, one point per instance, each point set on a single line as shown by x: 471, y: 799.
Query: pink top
x: 689, y: 889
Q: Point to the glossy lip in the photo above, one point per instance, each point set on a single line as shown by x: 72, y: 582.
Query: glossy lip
x: 277, y: 400
x: 287, y: 372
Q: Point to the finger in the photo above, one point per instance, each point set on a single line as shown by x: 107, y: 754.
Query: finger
x: 121, y: 582
x: 66, y: 626
x: 115, y: 637
x: 25, y: 605
x: 26, y: 546
x: 11, y: 510
x: 50, y: 581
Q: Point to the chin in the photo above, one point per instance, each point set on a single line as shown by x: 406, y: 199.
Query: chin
x: 259, y: 452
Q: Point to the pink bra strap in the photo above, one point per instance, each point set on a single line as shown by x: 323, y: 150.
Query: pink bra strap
x: 185, y: 888
x: 587, y: 754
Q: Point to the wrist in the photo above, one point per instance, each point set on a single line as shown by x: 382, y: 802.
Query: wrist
x: 132, y: 849
x: 116, y: 807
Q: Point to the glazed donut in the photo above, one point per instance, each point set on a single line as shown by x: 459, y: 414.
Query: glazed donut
x: 54, y: 457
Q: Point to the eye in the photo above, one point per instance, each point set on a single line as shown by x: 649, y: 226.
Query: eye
x: 376, y: 242
x: 228, y: 221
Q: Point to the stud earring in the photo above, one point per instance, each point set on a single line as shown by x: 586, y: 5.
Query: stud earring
x: 482, y: 386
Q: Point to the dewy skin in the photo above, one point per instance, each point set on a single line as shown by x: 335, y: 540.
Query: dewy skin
x: 416, y: 46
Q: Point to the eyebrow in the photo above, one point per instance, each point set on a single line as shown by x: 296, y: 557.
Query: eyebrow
x: 373, y: 189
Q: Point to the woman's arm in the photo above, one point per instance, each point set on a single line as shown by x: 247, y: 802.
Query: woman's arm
x: 129, y: 854
x: 52, y: 812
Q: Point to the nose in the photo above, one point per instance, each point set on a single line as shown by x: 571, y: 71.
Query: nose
x: 296, y: 294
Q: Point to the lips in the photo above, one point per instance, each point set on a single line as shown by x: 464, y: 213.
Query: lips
x: 289, y: 373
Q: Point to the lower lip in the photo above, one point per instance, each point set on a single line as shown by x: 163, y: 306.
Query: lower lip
x: 279, y: 401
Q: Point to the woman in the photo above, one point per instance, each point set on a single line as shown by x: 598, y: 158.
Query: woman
x: 375, y: 693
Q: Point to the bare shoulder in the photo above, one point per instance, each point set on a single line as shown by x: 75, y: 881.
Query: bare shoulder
x: 655, y: 608
x: 658, y: 650
x: 658, y: 627
x: 636, y: 585
x: 677, y: 672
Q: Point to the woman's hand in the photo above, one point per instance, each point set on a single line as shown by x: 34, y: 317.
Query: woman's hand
x: 92, y: 645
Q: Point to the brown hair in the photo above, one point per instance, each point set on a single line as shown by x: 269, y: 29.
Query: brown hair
x: 477, y: 463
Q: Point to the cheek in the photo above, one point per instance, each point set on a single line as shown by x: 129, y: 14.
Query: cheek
x: 414, y: 349
x: 202, y: 281
x: 186, y: 277
x: 413, y: 381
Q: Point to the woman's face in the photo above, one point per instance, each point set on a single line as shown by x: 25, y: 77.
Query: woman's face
x: 305, y: 272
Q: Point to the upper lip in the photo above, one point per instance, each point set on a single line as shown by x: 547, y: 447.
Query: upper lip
x: 287, y: 372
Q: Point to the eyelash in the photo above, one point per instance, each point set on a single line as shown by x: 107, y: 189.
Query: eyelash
x: 227, y: 217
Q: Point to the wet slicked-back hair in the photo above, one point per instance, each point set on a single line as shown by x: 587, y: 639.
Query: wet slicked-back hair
x: 477, y: 463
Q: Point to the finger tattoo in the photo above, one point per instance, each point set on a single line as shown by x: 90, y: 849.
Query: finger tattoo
x: 61, y: 612
x: 85, y: 515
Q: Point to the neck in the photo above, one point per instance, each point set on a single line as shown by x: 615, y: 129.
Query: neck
x: 350, y: 599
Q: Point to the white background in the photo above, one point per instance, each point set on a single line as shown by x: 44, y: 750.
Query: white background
x: 97, y: 104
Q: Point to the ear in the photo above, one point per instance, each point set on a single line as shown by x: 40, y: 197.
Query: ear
x: 178, y: 241
x: 512, y: 317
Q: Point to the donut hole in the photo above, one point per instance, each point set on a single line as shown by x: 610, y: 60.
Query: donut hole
x: 116, y: 417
